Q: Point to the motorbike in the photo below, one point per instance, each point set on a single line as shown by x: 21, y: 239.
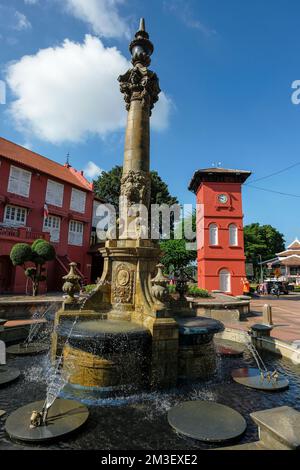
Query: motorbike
x: 275, y: 291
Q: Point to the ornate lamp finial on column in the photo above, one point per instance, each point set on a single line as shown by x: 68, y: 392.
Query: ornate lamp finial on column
x: 139, y: 83
x: 141, y: 48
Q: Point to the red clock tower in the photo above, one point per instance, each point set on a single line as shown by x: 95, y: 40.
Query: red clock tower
x: 220, y: 240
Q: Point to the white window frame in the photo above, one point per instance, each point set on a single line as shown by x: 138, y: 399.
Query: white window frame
x: 55, y: 193
x: 76, y: 231
x: 9, y: 209
x: 52, y: 225
x: 19, y: 185
x: 75, y: 197
x: 233, y: 235
x: 213, y: 234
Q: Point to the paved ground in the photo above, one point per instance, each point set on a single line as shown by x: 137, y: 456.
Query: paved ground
x: 286, y: 316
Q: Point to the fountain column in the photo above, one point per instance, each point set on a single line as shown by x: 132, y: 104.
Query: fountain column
x: 140, y: 87
x: 128, y: 290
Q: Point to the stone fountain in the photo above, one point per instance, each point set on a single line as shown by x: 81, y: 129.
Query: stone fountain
x: 130, y: 332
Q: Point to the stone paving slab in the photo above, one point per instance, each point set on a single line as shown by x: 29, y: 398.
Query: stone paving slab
x: 286, y: 317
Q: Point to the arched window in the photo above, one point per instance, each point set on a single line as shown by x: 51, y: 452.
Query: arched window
x: 225, y: 281
x: 233, y: 235
x: 213, y: 234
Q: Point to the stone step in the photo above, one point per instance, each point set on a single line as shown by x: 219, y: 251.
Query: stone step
x: 279, y: 428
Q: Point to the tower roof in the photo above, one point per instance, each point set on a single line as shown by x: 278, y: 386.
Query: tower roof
x: 214, y: 174
x: 294, y: 245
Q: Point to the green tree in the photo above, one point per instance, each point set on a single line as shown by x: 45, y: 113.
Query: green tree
x: 108, y: 186
x: 262, y: 242
x: 37, y: 254
x: 176, y: 254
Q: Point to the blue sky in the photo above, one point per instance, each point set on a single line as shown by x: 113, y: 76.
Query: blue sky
x: 225, y: 67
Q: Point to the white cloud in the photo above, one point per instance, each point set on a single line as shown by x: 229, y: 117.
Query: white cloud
x: 183, y: 11
x: 22, y: 22
x: 92, y: 170
x: 102, y: 15
x: 161, y: 113
x: 12, y: 22
x: 66, y: 93
x: 31, y: 2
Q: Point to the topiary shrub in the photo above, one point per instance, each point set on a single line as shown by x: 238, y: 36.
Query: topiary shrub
x: 44, y: 251
x: 20, y: 254
x: 36, y: 242
x: 38, y: 253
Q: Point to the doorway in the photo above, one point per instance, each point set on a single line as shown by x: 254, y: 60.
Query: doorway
x: 6, y: 271
x: 225, y: 281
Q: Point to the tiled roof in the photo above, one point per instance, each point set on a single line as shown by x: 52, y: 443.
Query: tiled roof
x: 33, y: 160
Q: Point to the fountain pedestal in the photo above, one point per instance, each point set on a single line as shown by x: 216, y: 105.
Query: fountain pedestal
x: 130, y: 290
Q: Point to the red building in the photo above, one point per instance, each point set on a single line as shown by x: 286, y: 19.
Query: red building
x: 220, y: 240
x: 40, y: 198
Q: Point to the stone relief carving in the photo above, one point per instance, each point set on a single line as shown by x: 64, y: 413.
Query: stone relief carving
x: 136, y: 187
x: 139, y: 83
x: 123, y: 287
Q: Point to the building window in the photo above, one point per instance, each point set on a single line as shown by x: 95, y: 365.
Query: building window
x: 54, y: 193
x: 233, y: 235
x: 213, y: 234
x: 76, y: 233
x: 225, y: 281
x: 52, y: 226
x: 15, y: 216
x: 19, y: 181
x: 78, y: 200
x: 295, y: 270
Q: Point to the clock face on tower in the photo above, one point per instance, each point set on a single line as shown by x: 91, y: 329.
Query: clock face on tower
x: 222, y: 198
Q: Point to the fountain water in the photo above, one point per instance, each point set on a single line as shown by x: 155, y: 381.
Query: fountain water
x: 39, y: 331
x: 57, y: 417
x: 7, y: 374
x: 261, y: 377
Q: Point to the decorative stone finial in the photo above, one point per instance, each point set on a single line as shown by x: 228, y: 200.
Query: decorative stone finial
x: 160, y: 285
x: 181, y: 285
x: 71, y: 285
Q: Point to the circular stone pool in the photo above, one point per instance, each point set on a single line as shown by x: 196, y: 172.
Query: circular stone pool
x: 140, y: 421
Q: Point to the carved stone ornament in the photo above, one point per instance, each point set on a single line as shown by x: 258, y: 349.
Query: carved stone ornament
x: 123, y: 287
x: 160, y: 285
x: 71, y: 285
x: 136, y: 187
x: 139, y: 83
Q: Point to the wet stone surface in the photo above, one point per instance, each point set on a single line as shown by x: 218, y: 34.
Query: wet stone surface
x: 140, y: 422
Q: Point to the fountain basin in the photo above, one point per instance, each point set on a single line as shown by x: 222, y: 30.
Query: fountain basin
x: 106, y: 355
x: 197, y: 356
